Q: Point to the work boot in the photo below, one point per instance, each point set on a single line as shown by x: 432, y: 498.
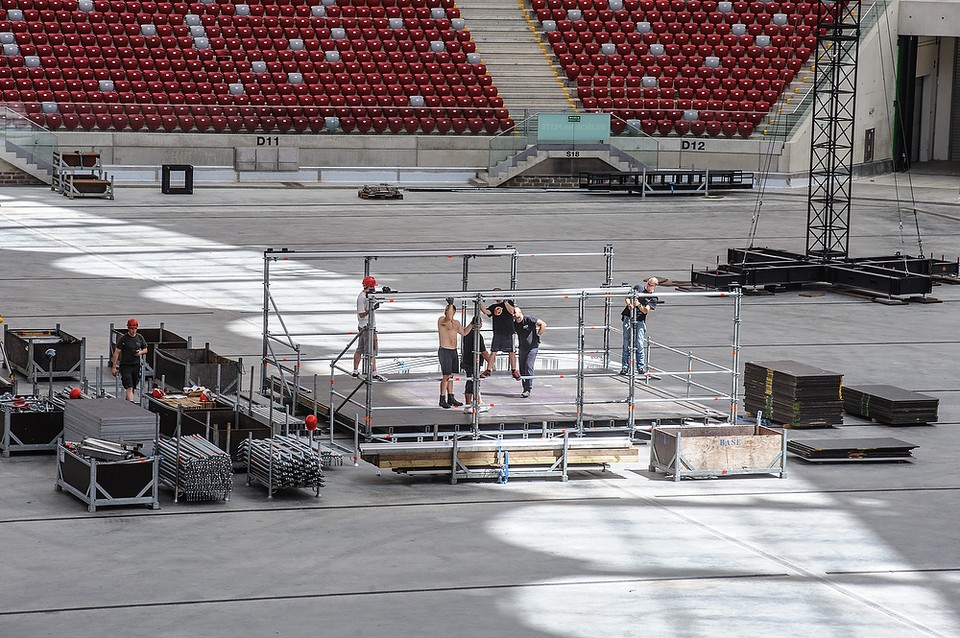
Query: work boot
x: 452, y: 401
x: 443, y: 403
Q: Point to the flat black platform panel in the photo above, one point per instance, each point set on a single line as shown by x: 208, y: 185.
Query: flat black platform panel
x: 889, y: 404
x: 860, y: 449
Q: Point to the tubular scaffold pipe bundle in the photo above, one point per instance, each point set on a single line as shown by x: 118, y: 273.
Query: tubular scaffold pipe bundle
x: 328, y: 457
x: 282, y: 462
x: 201, y: 471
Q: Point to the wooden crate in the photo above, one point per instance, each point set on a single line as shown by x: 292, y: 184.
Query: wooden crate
x: 717, y: 450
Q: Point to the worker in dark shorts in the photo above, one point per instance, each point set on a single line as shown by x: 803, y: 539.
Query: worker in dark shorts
x: 126, y: 358
x: 472, y: 345
x: 448, y: 328
x: 502, y: 313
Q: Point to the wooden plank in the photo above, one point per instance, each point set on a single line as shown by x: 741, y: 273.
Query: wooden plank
x: 522, y: 452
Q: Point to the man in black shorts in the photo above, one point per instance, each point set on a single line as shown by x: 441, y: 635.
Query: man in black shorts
x: 126, y: 358
x: 502, y: 313
x: 468, y: 362
x: 448, y: 328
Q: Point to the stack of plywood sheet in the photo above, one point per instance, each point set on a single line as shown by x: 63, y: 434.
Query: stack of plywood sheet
x: 792, y: 393
x: 890, y: 405
x: 488, y: 453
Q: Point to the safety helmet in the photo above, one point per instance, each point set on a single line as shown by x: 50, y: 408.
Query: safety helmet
x: 132, y: 323
x: 369, y: 282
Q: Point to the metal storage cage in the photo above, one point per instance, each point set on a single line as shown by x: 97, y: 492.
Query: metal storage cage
x: 98, y: 483
x: 718, y: 450
x: 184, y: 367
x: 26, y: 350
x: 27, y: 429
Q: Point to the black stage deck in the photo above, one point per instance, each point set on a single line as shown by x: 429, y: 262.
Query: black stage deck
x: 406, y: 406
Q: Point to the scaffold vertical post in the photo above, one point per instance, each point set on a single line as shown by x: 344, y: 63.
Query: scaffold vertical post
x: 513, y: 268
x: 607, y: 303
x: 581, y: 342
x: 356, y: 440
x: 266, y: 320
x: 330, y: 409
x: 368, y: 353
x: 735, y: 377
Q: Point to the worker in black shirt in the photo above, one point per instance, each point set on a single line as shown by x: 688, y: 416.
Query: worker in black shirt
x: 126, y: 358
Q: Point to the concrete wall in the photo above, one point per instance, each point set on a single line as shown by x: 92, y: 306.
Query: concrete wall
x: 140, y: 148
x: 929, y: 17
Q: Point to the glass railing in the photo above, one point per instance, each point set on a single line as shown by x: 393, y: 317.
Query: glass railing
x: 29, y: 141
x: 639, y: 146
x: 632, y: 141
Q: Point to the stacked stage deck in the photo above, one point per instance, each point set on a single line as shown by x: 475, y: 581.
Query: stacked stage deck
x: 837, y: 450
x: 889, y: 404
x: 407, y: 404
x: 792, y: 393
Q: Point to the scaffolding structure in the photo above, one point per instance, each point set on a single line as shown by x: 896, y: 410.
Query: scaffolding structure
x: 588, y: 360
x: 282, y: 354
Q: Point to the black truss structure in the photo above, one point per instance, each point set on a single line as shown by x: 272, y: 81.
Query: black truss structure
x: 831, y: 143
x: 827, y: 259
x: 894, y: 275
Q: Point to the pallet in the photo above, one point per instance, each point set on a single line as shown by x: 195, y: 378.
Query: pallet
x: 379, y: 191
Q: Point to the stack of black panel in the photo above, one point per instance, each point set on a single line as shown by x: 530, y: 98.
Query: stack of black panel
x: 792, y: 393
x: 889, y: 404
x: 827, y: 450
x: 113, y: 419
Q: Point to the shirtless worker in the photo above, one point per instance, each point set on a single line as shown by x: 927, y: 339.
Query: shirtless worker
x: 448, y: 328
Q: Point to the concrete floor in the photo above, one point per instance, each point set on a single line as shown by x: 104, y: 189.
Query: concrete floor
x: 843, y: 550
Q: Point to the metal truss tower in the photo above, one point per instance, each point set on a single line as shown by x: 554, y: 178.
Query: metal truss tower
x: 827, y: 259
x: 831, y: 144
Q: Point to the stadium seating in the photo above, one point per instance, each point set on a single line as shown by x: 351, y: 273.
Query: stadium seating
x: 682, y: 66
x: 364, y: 66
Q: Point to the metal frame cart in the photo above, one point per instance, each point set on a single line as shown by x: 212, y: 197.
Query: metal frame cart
x: 26, y: 350
x: 27, y: 430
x: 98, y: 483
x: 77, y: 174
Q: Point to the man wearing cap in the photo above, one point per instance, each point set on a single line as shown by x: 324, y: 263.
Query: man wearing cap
x: 637, y: 306
x: 126, y: 358
x: 363, y: 321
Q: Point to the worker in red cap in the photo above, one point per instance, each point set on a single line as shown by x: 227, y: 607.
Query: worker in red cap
x: 126, y: 358
x: 363, y: 320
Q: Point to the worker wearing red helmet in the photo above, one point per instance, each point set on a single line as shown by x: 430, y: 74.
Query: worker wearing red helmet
x: 126, y: 358
x: 363, y: 321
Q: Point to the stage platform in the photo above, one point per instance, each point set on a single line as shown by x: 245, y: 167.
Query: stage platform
x: 405, y: 407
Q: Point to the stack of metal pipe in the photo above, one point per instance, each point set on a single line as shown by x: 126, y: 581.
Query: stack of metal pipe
x: 328, y: 456
x: 196, y: 468
x: 281, y: 462
x: 105, y: 450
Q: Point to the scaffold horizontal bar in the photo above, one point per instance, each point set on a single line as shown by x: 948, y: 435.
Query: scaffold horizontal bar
x: 309, y: 255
